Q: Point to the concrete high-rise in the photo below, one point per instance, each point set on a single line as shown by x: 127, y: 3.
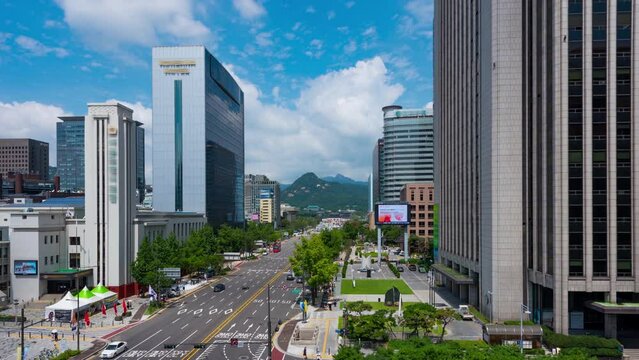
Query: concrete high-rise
x: 70, y: 152
x: 198, y: 135
x: 110, y: 141
x: 378, y: 167
x: 24, y: 156
x: 140, y: 179
x: 253, y: 187
x: 407, y: 150
x: 536, y: 140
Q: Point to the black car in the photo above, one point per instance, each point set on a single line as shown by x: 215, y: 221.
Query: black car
x: 245, y: 287
x: 412, y: 267
x: 290, y: 277
x: 400, y: 268
x: 299, y: 280
x: 219, y: 287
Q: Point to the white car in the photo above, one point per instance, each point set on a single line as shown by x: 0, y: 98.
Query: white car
x: 465, y: 313
x: 113, y: 349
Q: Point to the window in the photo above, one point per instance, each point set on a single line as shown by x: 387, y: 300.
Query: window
x: 46, y: 260
x: 5, y: 269
x: 57, y: 259
x: 52, y: 217
x: 74, y: 240
x: 74, y: 260
x: 57, y: 239
x: 45, y: 239
x: 51, y: 259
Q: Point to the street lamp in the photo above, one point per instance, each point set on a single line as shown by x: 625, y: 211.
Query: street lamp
x: 524, y: 310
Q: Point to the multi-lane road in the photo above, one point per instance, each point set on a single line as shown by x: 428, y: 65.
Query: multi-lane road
x: 214, y: 318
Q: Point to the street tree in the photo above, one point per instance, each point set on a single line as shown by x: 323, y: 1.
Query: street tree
x: 444, y: 317
x: 358, y: 307
x: 419, y: 316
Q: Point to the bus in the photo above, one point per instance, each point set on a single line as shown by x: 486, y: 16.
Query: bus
x: 277, y: 247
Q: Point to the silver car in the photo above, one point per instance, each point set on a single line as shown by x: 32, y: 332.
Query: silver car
x: 113, y: 349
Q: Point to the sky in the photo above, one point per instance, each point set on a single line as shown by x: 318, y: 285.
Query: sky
x: 315, y: 74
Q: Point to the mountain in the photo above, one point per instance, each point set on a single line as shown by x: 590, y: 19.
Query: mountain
x: 308, y: 189
x: 341, y: 179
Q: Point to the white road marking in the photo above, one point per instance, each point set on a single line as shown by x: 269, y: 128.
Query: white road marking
x: 204, y: 302
x: 185, y: 325
x: 197, y: 311
x: 266, y: 317
x: 174, y: 321
x: 160, y: 343
x: 145, y: 340
x: 182, y: 342
x: 287, y: 314
x: 245, y: 321
x: 228, y: 311
x: 232, y: 326
x: 182, y: 311
x: 254, y: 311
x: 208, y: 321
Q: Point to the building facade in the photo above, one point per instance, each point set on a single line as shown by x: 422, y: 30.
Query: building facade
x: 253, y: 187
x: 536, y: 138
x: 267, y: 207
x: 198, y: 116
x: 378, y: 167
x: 24, y: 156
x: 421, y: 198
x: 140, y: 178
x: 407, y: 150
x: 70, y: 152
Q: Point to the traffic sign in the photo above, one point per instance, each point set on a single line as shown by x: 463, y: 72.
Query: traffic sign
x: 234, y: 342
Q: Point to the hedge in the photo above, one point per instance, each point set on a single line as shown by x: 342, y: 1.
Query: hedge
x: 345, y: 266
x: 66, y: 355
x: 593, y: 345
x: 393, y: 268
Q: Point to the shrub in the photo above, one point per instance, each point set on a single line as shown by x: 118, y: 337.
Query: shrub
x: 593, y: 345
x: 516, y: 322
x: 11, y: 318
x: 393, y: 268
x: 66, y: 355
x: 128, y: 313
x: 118, y: 318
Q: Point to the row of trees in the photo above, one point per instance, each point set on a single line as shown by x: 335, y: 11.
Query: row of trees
x: 200, y: 252
x: 314, y: 258
x: 299, y: 223
x: 379, y: 325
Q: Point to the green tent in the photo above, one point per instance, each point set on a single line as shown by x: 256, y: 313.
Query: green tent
x: 100, y: 289
x: 85, y: 293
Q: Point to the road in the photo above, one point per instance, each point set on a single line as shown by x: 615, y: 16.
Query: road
x: 214, y: 318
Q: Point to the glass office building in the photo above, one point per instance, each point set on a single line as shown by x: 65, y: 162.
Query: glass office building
x: 140, y: 179
x: 70, y: 152
x: 198, y: 135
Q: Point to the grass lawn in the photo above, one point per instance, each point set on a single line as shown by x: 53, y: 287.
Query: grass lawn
x: 374, y: 287
x: 152, y: 309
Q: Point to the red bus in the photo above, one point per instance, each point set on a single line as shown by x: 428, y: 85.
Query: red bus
x: 277, y: 247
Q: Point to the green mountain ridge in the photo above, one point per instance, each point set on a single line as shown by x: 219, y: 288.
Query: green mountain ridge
x: 309, y: 189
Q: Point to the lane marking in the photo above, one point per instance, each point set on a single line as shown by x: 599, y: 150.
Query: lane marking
x: 208, y: 321
x: 245, y: 321
x: 327, y: 327
x: 254, y: 312
x: 182, y: 328
x: 160, y: 343
x: 143, y: 341
x: 182, y: 342
x: 176, y: 320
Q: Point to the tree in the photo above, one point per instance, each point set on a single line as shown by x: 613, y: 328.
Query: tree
x: 358, y: 307
x: 444, y: 317
x: 419, y: 316
x: 375, y: 327
x: 391, y: 233
x: 348, y: 353
x: 144, y: 263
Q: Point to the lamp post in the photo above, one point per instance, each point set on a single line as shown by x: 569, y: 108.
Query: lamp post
x: 268, y: 303
x: 77, y: 314
x: 524, y: 310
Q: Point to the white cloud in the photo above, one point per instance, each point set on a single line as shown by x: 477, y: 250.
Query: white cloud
x: 296, y: 26
x: 276, y: 92
x: 343, y: 29
x: 85, y: 68
x: 33, y: 120
x: 370, y: 31
x: 109, y: 24
x: 350, y: 4
x: 331, y: 127
x: 330, y: 15
x: 310, y: 10
x: 289, y: 36
x: 278, y: 67
x: 317, y: 43
x: 315, y: 49
x: 429, y: 107
x: 351, y: 47
x: 263, y: 39
x: 36, y: 48
x: 419, y: 20
x: 249, y: 9
x: 53, y: 24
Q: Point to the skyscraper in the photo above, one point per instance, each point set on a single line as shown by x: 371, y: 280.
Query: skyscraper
x: 408, y: 150
x: 253, y: 187
x: 198, y: 135
x: 70, y: 152
x: 536, y: 139
x: 378, y: 167
x: 24, y: 156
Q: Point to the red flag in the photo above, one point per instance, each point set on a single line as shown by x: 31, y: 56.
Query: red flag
x: 103, y: 309
x: 123, y: 306
x: 87, y: 320
x: 115, y: 308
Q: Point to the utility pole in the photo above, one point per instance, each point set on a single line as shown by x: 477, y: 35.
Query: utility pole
x: 22, y: 334
x: 77, y: 315
x: 268, y: 303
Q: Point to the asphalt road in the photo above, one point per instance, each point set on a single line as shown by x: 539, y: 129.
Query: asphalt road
x: 214, y: 318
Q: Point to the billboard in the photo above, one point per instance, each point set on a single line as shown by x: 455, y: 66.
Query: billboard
x: 392, y: 214
x: 25, y: 267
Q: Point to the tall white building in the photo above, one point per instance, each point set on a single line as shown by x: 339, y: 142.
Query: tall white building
x: 110, y: 180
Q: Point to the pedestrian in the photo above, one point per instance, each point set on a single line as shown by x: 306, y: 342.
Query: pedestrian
x: 330, y: 307
x: 305, y: 353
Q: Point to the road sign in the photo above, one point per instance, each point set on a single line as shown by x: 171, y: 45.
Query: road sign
x: 234, y: 342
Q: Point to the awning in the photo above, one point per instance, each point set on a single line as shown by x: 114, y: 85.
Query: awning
x: 528, y: 330
x: 614, y: 309
x: 66, y: 274
x: 453, y: 274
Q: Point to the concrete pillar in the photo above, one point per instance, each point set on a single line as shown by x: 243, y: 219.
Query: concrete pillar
x: 610, y: 326
x: 463, y: 293
x: 473, y: 295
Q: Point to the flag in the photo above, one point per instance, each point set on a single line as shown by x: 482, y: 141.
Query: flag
x: 103, y: 309
x: 87, y: 319
x: 153, y: 294
x: 123, y: 307
x: 302, y: 305
x: 115, y: 308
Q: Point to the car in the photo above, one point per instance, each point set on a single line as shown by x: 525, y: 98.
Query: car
x: 113, y: 349
x: 400, y: 268
x: 465, y: 313
x: 422, y: 269
x: 401, y: 253
x: 290, y: 277
x: 412, y: 267
x: 245, y: 287
x: 299, y: 280
x: 219, y: 287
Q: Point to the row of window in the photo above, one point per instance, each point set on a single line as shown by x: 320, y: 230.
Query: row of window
x: 48, y: 239
x: 49, y: 259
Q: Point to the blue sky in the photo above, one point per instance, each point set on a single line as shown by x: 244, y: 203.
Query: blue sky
x: 315, y: 73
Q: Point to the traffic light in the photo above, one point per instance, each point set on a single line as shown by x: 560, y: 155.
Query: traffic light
x: 234, y: 342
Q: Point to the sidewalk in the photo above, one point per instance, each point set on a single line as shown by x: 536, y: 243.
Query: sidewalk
x: 327, y: 339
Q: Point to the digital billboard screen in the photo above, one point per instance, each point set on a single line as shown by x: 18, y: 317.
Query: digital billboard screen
x: 25, y: 267
x: 392, y: 214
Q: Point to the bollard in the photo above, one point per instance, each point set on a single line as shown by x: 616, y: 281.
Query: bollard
x: 29, y: 335
x: 41, y: 337
x: 84, y: 337
x: 73, y: 336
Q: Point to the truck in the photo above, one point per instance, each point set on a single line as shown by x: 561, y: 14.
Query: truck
x: 465, y: 313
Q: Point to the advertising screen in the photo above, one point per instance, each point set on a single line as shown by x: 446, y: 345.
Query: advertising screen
x: 392, y: 214
x: 25, y: 267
